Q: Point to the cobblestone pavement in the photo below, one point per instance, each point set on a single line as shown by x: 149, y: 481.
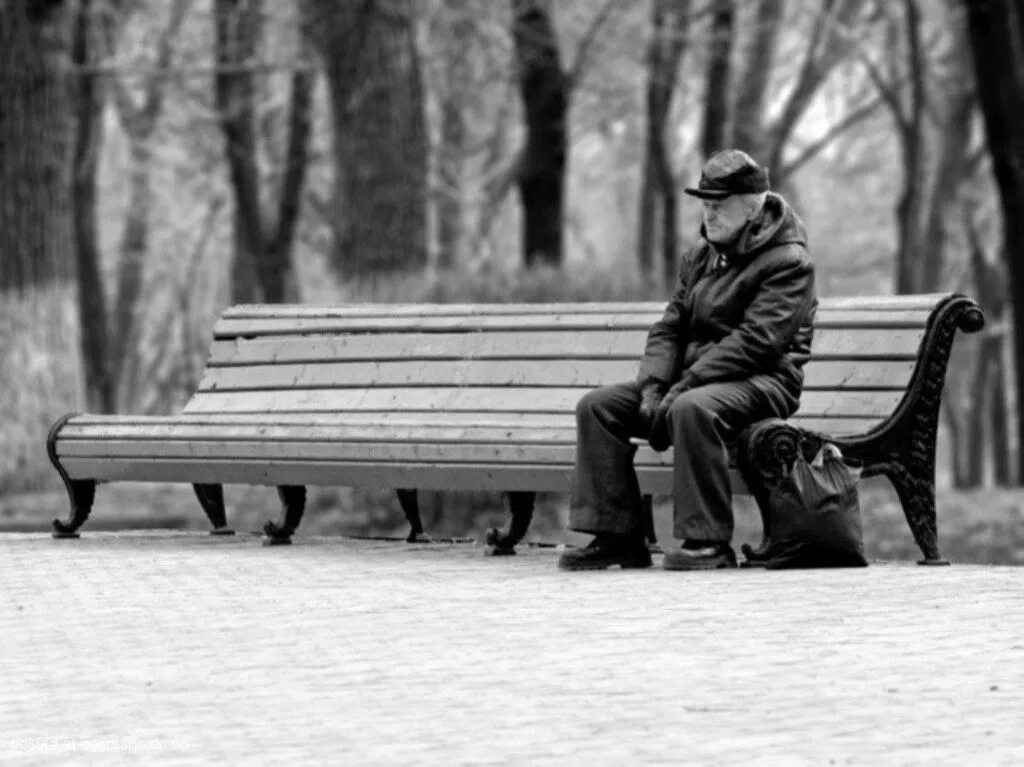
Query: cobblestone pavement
x: 188, y: 648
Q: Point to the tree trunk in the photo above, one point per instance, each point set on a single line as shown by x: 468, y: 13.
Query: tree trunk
x: 543, y: 86
x: 139, y: 123
x: 36, y: 119
x: 999, y: 419
x: 281, y: 269
x: 996, y: 29
x: 910, y: 128
x: 986, y: 400
x: 748, y: 131
x: 99, y: 384
x: 658, y: 197
x: 974, y: 433
x: 956, y: 114
x: 263, y: 269
x: 449, y: 205
x: 454, y: 54
x: 380, y: 141
x: 238, y: 25
x: 716, y: 92
x: 134, y: 246
x: 951, y: 416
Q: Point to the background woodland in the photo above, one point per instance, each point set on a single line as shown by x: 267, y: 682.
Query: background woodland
x: 163, y: 159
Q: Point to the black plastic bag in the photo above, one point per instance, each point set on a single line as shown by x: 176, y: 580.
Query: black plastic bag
x: 815, y: 515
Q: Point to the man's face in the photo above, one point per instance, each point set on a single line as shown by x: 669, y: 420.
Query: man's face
x: 723, y: 219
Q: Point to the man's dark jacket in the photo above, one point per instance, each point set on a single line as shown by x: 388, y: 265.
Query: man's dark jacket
x: 744, y: 314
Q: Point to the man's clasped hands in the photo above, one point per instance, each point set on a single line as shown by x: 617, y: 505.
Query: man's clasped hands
x: 654, y: 412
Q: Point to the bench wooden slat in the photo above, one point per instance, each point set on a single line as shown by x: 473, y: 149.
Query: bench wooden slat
x: 603, y: 308
x: 424, y: 346
x: 550, y: 345
x: 525, y: 399
x: 308, y: 325
x: 509, y: 373
x: 314, y: 432
x: 424, y: 476
x: 373, y: 452
x: 466, y: 418
x: 827, y: 374
x: 836, y: 426
x: 922, y: 302
x: 390, y: 425
x: 925, y: 301
x: 426, y: 450
x: 855, y: 374
x: 293, y: 323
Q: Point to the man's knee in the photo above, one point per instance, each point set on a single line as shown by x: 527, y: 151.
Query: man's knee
x: 687, y: 407
x: 587, y: 403
x: 606, y: 402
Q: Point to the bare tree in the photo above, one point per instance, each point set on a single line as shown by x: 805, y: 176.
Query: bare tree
x: 450, y: 65
x: 907, y: 105
x: 751, y: 89
x: 140, y: 118
x: 544, y: 89
x: 996, y: 33
x: 88, y: 97
x: 953, y: 107
x: 658, y: 197
x: 715, y: 131
x: 380, y: 143
x: 36, y: 119
x: 835, y: 31
x: 988, y: 412
x: 263, y: 268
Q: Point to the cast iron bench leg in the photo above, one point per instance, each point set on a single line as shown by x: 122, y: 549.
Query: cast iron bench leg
x: 293, y: 503
x: 520, y: 505
x: 211, y: 498
x: 81, y: 493
x: 411, y: 508
x: 917, y: 496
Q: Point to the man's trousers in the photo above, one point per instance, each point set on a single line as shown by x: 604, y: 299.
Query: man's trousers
x: 701, y: 424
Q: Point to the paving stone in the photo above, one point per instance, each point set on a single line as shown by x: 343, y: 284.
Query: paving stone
x: 186, y: 648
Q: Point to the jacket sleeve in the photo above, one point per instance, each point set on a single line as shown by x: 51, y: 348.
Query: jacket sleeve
x: 769, y: 326
x: 663, y: 354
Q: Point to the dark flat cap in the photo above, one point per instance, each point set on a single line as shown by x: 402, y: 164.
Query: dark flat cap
x: 730, y: 171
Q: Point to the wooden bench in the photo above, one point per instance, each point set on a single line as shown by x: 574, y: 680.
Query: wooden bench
x: 482, y: 397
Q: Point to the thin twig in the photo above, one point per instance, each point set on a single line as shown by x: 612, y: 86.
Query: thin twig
x: 852, y: 118
x: 575, y: 72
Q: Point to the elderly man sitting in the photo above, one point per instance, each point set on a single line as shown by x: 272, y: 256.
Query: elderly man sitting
x: 728, y: 352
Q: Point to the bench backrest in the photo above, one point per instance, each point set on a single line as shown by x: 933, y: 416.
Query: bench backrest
x: 521, y: 363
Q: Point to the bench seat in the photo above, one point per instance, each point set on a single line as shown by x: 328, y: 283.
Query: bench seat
x: 470, y: 397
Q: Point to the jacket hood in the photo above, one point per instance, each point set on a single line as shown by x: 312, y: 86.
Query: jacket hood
x: 777, y: 225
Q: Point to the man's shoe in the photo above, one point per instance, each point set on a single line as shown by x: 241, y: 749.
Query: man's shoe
x: 606, y: 551
x: 700, y: 556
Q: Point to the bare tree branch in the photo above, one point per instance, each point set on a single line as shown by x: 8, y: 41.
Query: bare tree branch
x: 139, y: 121
x: 855, y: 116
x: 155, y: 88
x: 576, y: 70
x: 831, y: 40
x: 887, y: 91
